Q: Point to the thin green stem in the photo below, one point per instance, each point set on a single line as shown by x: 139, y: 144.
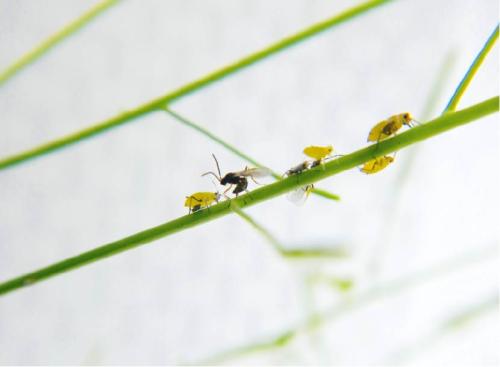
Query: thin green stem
x: 216, y: 139
x: 470, y: 314
x: 414, y: 135
x: 464, y: 83
x: 192, y: 87
x: 44, y: 47
x: 236, y: 151
x: 303, y: 253
x: 264, y: 232
x: 365, y: 298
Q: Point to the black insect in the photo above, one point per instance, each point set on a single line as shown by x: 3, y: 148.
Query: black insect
x: 240, y: 178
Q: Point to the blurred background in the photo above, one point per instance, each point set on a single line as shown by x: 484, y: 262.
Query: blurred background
x: 418, y: 282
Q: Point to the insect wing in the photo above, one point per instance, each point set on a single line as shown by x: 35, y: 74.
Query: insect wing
x: 377, y: 165
x: 368, y: 167
x: 191, y: 202
x: 300, y: 195
x: 255, y: 172
x: 317, y: 152
x: 376, y: 133
x: 200, y: 198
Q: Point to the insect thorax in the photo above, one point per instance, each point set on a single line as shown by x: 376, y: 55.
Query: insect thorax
x: 230, y: 178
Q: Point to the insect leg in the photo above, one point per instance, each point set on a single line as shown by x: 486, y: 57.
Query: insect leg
x: 225, y: 191
x: 253, y: 179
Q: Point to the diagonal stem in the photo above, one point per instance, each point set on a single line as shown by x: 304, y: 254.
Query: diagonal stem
x: 464, y: 83
x: 48, y: 44
x: 300, y: 253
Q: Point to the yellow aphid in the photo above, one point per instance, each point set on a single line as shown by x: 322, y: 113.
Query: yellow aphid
x: 377, y: 164
x: 389, y: 127
x: 201, y: 200
x: 317, y: 152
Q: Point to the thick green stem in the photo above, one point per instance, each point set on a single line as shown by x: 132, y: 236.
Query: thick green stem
x: 425, y: 131
x: 464, y: 83
x: 53, y: 40
x: 189, y: 88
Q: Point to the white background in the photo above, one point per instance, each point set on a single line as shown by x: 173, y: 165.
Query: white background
x: 187, y: 297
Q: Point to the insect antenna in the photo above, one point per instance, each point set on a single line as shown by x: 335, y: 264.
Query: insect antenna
x: 219, y: 178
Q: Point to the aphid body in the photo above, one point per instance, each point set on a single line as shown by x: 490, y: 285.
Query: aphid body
x: 299, y: 168
x: 377, y: 164
x: 201, y: 200
x: 387, y: 128
x: 318, y: 152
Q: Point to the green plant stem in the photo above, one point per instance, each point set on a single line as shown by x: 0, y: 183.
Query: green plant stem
x: 236, y: 151
x: 464, y: 83
x: 264, y: 232
x: 365, y: 298
x: 44, y: 47
x: 190, y: 88
x: 416, y: 134
x: 303, y: 253
x: 216, y: 139
x: 470, y: 314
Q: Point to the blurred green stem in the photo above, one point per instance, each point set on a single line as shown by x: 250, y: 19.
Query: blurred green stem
x: 365, y: 298
x: 278, y: 246
x: 461, y: 319
x: 44, y: 47
x: 416, y: 134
